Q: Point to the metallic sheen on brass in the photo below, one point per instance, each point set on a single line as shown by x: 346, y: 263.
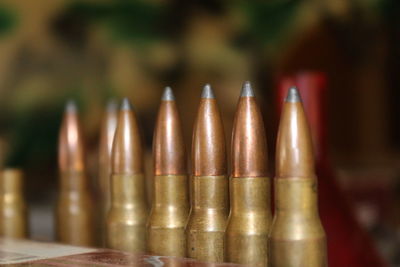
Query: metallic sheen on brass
x: 170, y: 209
x: 126, y: 224
x: 75, y: 224
x: 210, y: 203
x: 74, y: 215
x: 297, y: 237
x: 126, y: 220
x: 246, y: 238
x: 166, y: 227
x: 13, y: 212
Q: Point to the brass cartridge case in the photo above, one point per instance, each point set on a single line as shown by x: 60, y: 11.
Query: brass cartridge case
x: 74, y: 211
x: 297, y: 237
x: 170, y: 206
x: 168, y: 217
x: 246, y: 238
x: 207, y: 220
x: 209, y: 185
x: 126, y: 222
x: 74, y: 214
x: 13, y: 212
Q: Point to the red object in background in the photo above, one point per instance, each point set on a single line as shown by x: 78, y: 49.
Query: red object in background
x: 348, y: 243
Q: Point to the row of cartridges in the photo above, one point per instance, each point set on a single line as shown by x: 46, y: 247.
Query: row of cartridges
x: 209, y: 216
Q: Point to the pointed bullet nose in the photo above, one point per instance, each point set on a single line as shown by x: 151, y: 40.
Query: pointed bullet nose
x: 247, y: 91
x: 71, y: 107
x: 293, y: 95
x: 207, y: 92
x: 168, y: 95
x: 126, y: 104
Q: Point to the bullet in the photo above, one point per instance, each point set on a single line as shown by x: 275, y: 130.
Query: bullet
x: 13, y: 212
x: 109, y: 124
x: 246, y: 237
x: 297, y: 237
x: 126, y: 220
x: 209, y: 203
x: 336, y: 216
x: 312, y: 86
x: 170, y: 209
x: 74, y: 215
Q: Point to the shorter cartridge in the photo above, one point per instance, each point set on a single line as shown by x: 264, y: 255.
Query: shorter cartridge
x: 74, y: 214
x: 13, y: 212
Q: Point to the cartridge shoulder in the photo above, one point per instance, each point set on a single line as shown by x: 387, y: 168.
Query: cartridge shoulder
x: 297, y: 227
x: 211, y: 220
x: 250, y: 222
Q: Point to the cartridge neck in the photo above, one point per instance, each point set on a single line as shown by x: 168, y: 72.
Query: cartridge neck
x: 251, y: 194
x: 296, y: 196
x: 128, y: 190
x: 210, y: 192
x: 11, y: 181
x: 73, y: 181
x: 170, y: 190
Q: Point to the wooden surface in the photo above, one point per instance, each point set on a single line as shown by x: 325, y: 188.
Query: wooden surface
x: 30, y: 253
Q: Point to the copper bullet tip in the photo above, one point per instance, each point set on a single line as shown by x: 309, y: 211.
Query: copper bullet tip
x: 168, y: 95
x: 126, y: 104
x: 293, y: 95
x: 247, y: 91
x: 70, y: 107
x: 168, y: 146
x: 294, y: 156
x: 70, y: 145
x: 109, y: 124
x: 207, y: 92
x: 126, y: 154
x: 249, y: 157
x: 208, y: 146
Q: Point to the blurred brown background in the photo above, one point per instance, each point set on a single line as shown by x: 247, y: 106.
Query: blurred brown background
x: 53, y: 50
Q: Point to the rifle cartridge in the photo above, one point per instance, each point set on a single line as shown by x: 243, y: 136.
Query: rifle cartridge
x: 170, y: 208
x: 297, y: 237
x: 246, y: 237
x: 107, y: 132
x: 74, y: 213
x: 13, y: 212
x: 210, y: 201
x: 126, y: 220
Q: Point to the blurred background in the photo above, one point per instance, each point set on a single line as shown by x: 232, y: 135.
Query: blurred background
x: 94, y: 50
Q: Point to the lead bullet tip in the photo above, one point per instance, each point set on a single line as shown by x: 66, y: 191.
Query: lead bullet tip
x: 293, y: 95
x: 207, y: 92
x: 126, y: 104
x: 168, y: 95
x: 71, y: 106
x: 247, y: 91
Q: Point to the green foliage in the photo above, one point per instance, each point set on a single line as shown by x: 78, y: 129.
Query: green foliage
x: 40, y: 123
x: 269, y: 20
x: 7, y: 20
x: 32, y: 138
x: 126, y: 20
